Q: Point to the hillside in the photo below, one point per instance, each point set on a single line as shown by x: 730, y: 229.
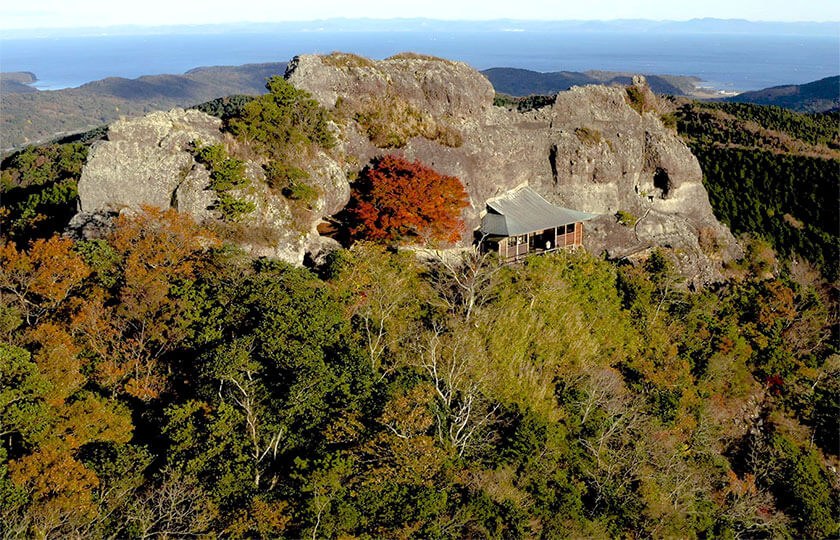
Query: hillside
x: 523, y: 82
x: 818, y: 96
x: 772, y: 172
x: 17, y: 82
x: 43, y: 115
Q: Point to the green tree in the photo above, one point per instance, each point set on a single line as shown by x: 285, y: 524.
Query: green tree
x: 282, y: 120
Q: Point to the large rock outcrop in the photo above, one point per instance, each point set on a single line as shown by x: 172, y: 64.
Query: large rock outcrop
x: 148, y: 161
x: 593, y: 149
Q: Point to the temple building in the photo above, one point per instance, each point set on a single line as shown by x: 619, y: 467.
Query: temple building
x: 522, y: 222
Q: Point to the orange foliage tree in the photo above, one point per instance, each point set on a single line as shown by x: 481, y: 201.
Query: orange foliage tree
x: 40, y: 279
x: 396, y: 200
x: 57, y: 358
x: 157, y: 250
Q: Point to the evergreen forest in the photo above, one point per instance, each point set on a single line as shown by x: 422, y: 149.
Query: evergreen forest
x: 771, y: 172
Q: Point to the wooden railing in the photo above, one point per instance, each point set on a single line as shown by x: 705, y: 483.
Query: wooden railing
x: 567, y: 240
x: 515, y: 251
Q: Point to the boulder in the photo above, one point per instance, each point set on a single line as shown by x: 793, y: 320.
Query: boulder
x: 148, y: 161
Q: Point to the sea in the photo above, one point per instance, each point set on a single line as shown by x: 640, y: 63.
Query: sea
x: 726, y: 62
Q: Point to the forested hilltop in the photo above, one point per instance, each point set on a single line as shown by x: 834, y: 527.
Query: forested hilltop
x: 524, y: 82
x: 817, y: 96
x: 43, y: 115
x: 158, y: 380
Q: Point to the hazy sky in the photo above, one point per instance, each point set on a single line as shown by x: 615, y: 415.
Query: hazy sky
x: 72, y: 13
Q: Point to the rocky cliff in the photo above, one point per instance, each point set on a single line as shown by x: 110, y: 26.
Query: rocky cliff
x: 596, y: 149
x: 149, y: 161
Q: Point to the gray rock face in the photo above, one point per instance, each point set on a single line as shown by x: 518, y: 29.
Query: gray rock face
x: 147, y: 161
x: 589, y: 151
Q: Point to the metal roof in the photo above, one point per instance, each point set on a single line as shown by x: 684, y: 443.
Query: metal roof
x: 525, y: 211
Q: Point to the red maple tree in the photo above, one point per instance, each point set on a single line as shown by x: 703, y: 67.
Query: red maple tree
x: 395, y: 200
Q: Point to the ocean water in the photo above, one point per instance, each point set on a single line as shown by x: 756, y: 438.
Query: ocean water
x: 733, y: 62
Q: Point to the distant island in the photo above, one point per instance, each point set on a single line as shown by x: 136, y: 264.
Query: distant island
x: 706, y: 25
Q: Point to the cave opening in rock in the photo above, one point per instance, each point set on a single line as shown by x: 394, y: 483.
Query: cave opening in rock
x: 662, y: 181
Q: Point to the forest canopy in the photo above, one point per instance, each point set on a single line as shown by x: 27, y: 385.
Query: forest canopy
x: 157, y: 382
x: 773, y: 173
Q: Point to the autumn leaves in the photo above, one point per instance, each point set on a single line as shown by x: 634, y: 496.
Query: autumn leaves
x: 397, y: 201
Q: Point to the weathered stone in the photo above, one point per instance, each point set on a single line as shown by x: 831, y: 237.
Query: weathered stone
x: 144, y: 160
x: 590, y: 151
x: 148, y: 161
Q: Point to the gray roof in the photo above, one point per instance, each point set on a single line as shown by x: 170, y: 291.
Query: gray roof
x: 524, y: 211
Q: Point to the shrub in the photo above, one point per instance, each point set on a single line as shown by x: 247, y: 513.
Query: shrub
x: 282, y: 120
x: 280, y: 175
x: 346, y: 60
x: 524, y: 104
x: 636, y: 99
x: 395, y: 200
x: 533, y: 103
x: 240, y: 233
x: 708, y: 240
x: 504, y: 100
x: 290, y: 181
x: 225, y: 107
x: 417, y: 56
x: 301, y: 191
x: 226, y: 174
x: 391, y: 123
x: 626, y: 218
x: 588, y: 135
x: 669, y: 120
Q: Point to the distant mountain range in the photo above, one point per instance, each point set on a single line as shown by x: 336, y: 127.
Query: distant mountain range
x: 30, y: 116
x: 693, y: 26
x: 818, y: 96
x: 524, y: 82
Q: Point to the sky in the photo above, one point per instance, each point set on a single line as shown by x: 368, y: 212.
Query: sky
x: 87, y: 13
